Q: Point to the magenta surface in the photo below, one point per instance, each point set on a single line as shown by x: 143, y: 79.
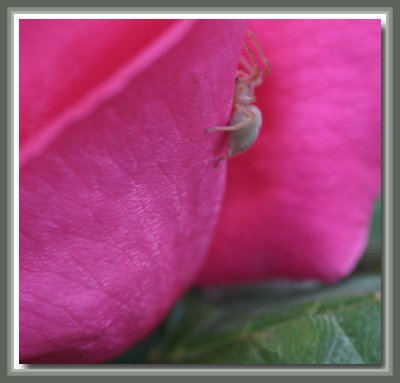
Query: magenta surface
x: 119, y: 195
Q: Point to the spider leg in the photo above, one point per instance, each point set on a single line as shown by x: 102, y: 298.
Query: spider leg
x: 246, y: 65
x: 219, y: 159
x: 247, y: 112
x: 241, y: 74
x: 261, y: 54
x: 227, y: 128
x: 251, y: 66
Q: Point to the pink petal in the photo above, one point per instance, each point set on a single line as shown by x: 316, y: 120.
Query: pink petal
x: 58, y: 68
x: 298, y: 204
x: 119, y: 198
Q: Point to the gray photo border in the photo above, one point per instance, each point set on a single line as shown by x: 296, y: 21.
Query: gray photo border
x: 387, y: 188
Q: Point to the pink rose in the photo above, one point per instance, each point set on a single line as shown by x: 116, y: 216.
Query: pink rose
x: 119, y: 195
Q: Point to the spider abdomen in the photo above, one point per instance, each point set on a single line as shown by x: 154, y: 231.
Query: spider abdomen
x: 241, y: 139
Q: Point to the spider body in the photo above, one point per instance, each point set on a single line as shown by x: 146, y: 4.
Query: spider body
x: 246, y: 119
x: 250, y: 124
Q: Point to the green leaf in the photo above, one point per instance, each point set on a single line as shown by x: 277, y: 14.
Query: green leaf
x: 276, y: 324
x: 139, y: 353
x: 373, y: 254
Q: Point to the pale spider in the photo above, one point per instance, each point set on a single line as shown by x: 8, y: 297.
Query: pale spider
x: 246, y: 119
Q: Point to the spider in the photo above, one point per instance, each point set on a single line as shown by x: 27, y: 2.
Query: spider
x: 246, y: 119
